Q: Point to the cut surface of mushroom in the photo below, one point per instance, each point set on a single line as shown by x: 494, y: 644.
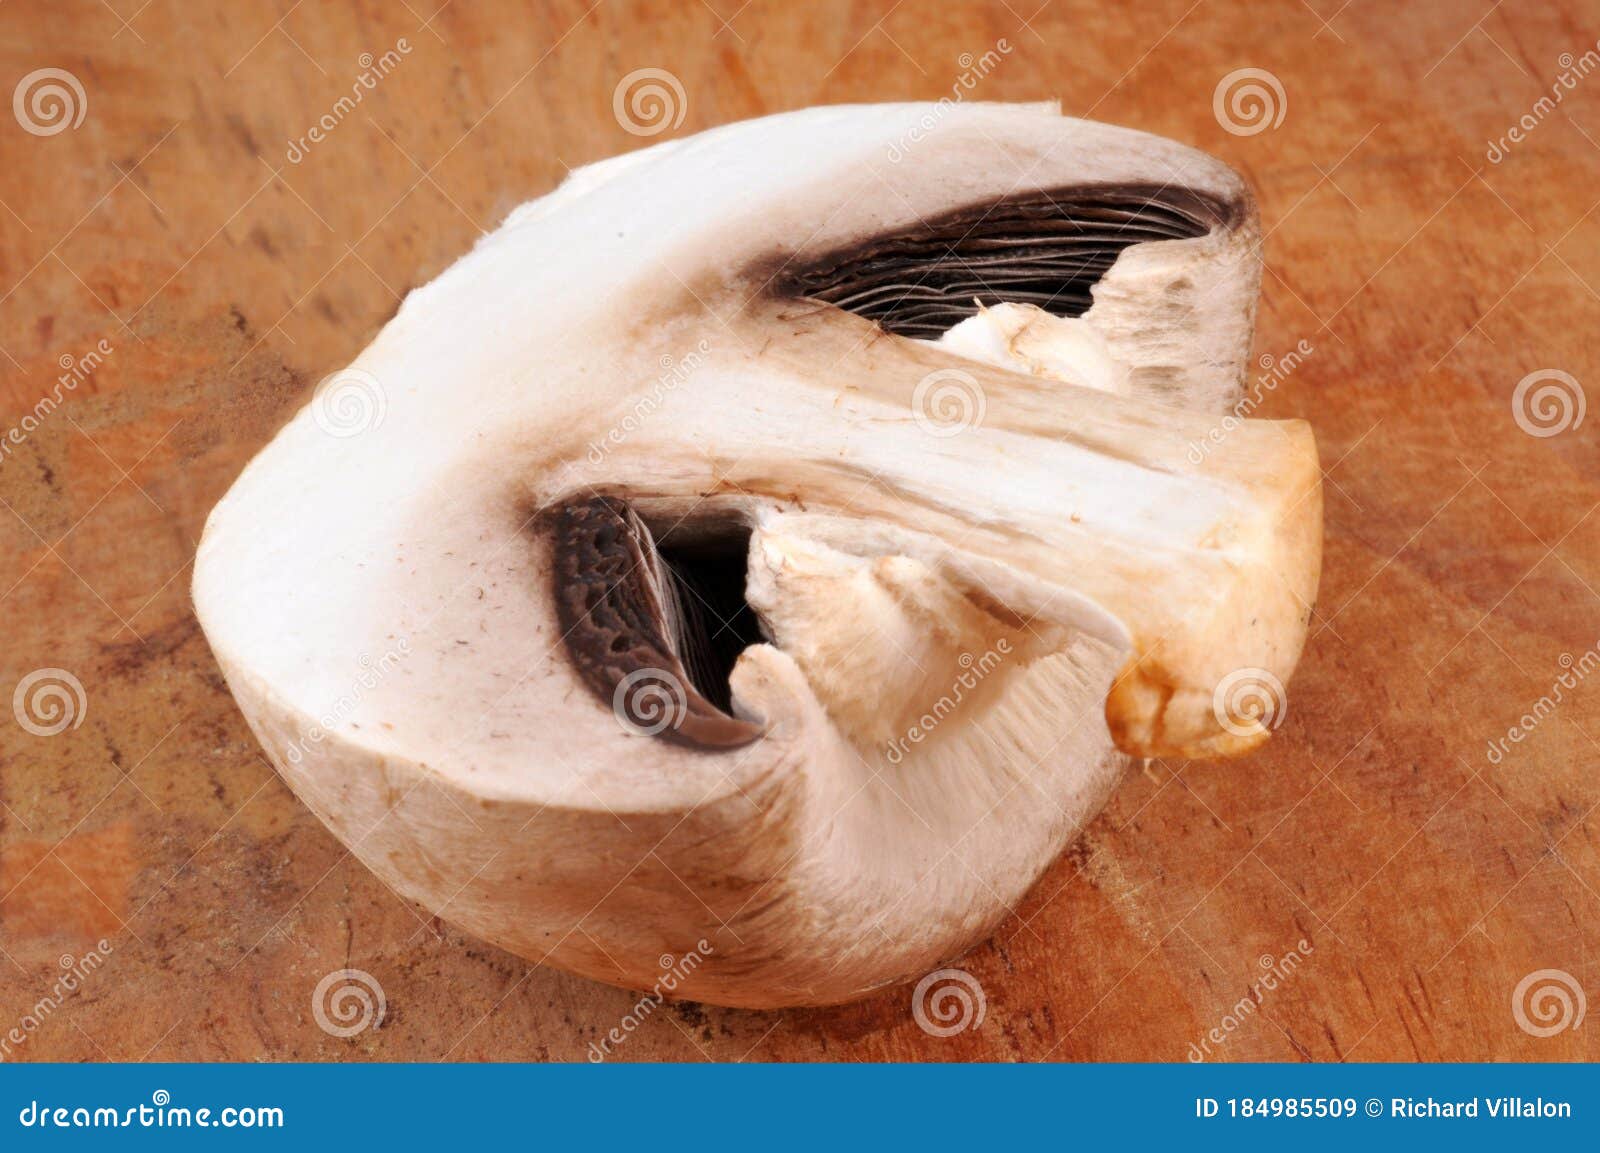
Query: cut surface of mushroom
x: 780, y: 539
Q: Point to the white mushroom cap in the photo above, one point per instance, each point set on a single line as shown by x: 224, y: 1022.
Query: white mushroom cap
x: 848, y: 354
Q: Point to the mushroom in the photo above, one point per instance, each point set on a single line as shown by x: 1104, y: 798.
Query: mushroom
x: 774, y: 545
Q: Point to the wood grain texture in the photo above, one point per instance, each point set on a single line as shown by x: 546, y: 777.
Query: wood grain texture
x: 1463, y: 554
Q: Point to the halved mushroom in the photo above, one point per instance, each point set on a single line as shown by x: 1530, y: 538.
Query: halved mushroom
x: 763, y: 541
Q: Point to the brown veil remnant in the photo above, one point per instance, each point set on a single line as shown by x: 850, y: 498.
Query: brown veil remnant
x: 874, y: 547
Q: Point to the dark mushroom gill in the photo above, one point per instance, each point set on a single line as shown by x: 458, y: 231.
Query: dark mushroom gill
x: 654, y: 636
x: 1046, y: 249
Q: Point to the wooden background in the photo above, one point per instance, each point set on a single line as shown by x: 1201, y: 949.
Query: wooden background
x: 1463, y: 554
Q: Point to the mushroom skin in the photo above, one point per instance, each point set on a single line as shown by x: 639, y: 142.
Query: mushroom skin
x: 969, y: 625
